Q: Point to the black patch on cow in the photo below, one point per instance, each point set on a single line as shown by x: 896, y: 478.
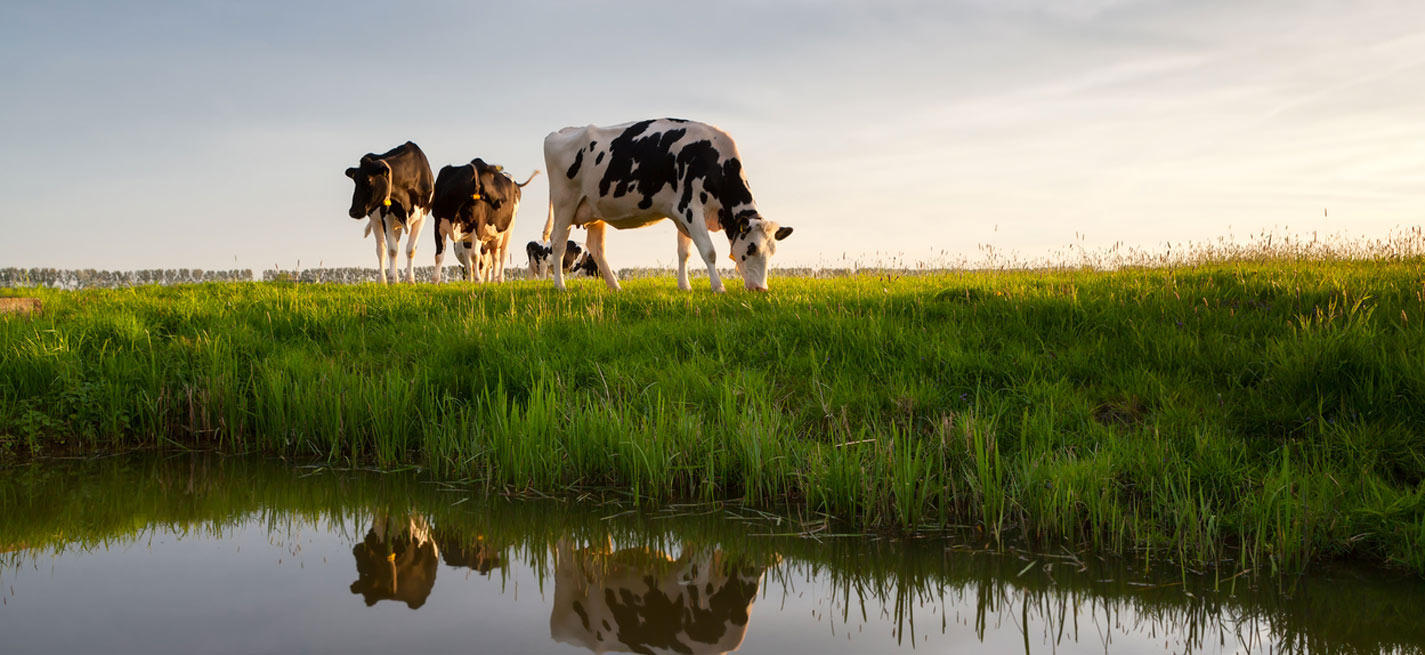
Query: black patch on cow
x: 574, y: 170
x: 703, y: 196
x: 697, y: 161
x: 592, y: 145
x: 583, y: 616
x: 643, y: 165
x: 599, y: 158
x: 734, y: 193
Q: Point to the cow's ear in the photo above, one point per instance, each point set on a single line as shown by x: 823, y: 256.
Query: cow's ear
x: 782, y: 233
x: 351, y: 173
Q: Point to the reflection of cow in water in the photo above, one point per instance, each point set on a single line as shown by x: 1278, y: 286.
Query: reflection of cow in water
x: 472, y: 552
x: 642, y: 601
x: 399, y: 557
x: 396, y: 561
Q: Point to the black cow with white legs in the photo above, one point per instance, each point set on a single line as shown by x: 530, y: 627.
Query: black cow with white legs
x: 475, y: 207
x: 635, y: 174
x: 393, y: 192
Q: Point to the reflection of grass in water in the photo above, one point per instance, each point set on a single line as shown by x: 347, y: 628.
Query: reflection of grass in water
x: 64, y: 505
x: 1266, y: 409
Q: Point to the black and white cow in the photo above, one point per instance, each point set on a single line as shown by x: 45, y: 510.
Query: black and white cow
x: 541, y: 255
x: 635, y: 174
x: 643, y: 601
x: 393, y: 191
x: 475, y: 207
x: 585, y: 266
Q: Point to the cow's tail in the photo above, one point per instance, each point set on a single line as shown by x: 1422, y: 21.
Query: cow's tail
x: 549, y: 222
x: 527, y: 180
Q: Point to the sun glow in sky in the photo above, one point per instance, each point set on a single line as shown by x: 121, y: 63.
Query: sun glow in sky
x: 214, y: 135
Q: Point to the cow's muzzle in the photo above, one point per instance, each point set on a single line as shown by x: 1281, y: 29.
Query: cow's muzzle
x: 753, y: 287
x: 355, y: 213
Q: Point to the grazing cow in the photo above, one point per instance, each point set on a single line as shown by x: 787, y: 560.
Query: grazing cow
x: 540, y: 257
x: 396, y: 561
x: 585, y: 266
x: 393, y: 191
x: 475, y: 207
x: 635, y: 174
x: 642, y: 601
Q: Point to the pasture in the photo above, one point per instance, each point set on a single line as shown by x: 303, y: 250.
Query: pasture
x: 1246, y: 414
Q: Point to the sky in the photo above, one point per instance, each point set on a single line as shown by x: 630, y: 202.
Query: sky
x: 206, y: 134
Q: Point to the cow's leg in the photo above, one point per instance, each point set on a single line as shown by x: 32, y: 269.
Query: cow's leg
x: 685, y: 249
x: 379, y: 232
x: 441, y: 227
x: 462, y: 253
x: 412, y: 240
x: 503, y: 253
x: 563, y: 223
x: 479, y: 258
x: 393, y: 239
x: 700, y: 237
x: 595, y: 244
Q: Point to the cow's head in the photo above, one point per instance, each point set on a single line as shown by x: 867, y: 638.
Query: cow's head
x: 373, y: 186
x: 753, y: 244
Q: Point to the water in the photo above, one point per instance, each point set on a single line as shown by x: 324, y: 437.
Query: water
x: 202, y: 554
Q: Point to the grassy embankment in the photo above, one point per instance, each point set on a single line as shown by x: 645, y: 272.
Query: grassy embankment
x: 1257, y: 414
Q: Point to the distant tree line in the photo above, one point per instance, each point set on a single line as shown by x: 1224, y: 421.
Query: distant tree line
x: 94, y: 279
x: 89, y: 278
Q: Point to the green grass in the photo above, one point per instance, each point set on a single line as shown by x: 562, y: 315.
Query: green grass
x: 1251, y: 414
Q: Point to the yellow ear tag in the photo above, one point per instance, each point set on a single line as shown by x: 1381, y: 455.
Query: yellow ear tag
x: 386, y: 202
x: 391, y: 557
x: 475, y: 197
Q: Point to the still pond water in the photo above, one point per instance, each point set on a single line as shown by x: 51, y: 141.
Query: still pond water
x: 203, y: 554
